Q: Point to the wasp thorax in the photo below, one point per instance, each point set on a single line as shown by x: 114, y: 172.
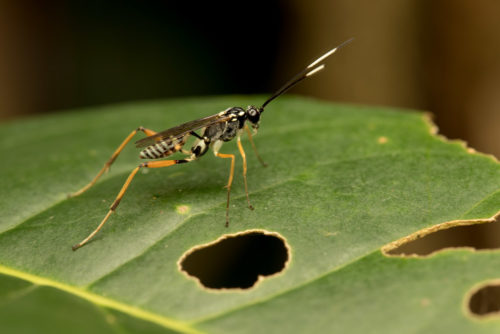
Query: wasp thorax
x: 253, y: 115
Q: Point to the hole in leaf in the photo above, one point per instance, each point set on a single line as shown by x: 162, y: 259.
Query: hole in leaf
x: 485, y: 300
x: 477, y: 236
x: 237, y: 260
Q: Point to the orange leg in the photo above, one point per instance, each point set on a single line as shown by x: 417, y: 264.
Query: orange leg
x: 112, y: 159
x: 229, y: 182
x: 243, y: 156
x: 249, y: 133
x: 150, y: 164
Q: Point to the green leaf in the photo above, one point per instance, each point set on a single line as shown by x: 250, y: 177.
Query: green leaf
x: 342, y: 182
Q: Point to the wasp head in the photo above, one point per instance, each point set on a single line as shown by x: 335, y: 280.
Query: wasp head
x: 253, y: 116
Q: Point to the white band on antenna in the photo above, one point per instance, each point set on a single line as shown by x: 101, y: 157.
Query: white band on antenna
x: 322, y: 57
x: 317, y: 69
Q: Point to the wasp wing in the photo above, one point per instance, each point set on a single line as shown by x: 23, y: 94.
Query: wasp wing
x: 180, y: 130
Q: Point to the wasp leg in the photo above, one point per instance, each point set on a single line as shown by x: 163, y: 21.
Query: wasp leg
x: 149, y: 164
x: 229, y: 182
x: 242, y: 152
x: 249, y: 133
x: 112, y: 159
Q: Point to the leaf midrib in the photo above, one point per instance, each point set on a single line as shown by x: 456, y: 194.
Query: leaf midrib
x: 100, y: 300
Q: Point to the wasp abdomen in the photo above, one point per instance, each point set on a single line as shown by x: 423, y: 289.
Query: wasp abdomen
x: 163, y: 148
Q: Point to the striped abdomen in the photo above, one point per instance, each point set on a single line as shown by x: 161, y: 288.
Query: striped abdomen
x: 163, y: 148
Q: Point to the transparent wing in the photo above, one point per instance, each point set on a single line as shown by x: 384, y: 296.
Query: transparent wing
x: 180, y: 130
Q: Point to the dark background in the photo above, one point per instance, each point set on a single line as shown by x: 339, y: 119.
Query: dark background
x: 441, y: 56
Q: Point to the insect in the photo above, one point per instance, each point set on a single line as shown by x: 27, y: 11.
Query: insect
x: 214, y: 131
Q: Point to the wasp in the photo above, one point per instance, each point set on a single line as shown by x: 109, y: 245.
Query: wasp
x: 214, y: 131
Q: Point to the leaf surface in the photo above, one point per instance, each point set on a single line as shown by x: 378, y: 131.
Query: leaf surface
x: 342, y: 182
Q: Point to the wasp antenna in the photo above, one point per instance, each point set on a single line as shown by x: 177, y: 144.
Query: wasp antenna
x: 307, y: 72
x: 329, y: 53
x: 314, y: 71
